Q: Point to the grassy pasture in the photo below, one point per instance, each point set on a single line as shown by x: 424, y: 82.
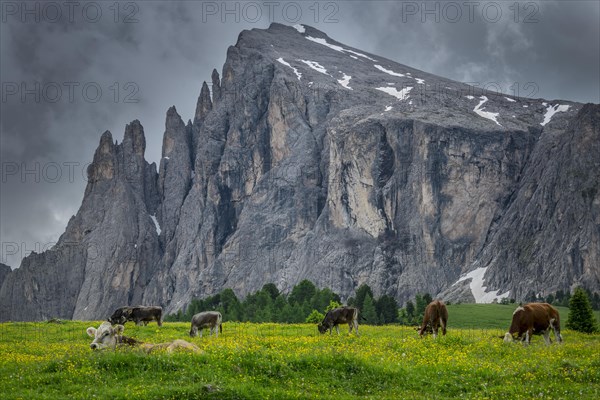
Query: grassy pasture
x: 261, y: 361
x: 494, y: 316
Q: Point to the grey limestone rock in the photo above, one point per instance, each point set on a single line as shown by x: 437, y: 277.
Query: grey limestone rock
x: 314, y: 160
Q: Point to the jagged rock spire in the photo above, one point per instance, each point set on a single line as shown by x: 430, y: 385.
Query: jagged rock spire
x: 174, y: 172
x: 134, y: 140
x: 103, y: 165
x: 174, y: 132
x: 204, y: 105
x: 216, y: 87
x: 106, y: 145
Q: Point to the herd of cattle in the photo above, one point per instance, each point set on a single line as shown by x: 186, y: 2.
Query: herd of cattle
x: 527, y: 320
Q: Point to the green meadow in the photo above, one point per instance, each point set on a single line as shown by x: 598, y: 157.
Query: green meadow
x: 292, y: 361
x: 496, y: 316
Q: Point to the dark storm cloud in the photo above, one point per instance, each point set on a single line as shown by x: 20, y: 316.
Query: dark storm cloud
x: 553, y: 44
x: 162, y: 55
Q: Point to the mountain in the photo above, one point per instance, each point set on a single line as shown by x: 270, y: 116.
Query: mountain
x: 310, y: 159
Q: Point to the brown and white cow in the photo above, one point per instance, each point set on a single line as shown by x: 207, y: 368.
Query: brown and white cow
x: 138, y: 314
x: 109, y: 337
x: 436, y: 315
x: 534, y: 319
x: 341, y: 315
x: 207, y: 319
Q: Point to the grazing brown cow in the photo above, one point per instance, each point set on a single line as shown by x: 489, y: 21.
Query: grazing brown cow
x: 109, y: 337
x: 338, y: 316
x: 207, y: 319
x: 138, y: 314
x: 534, y: 319
x: 436, y: 315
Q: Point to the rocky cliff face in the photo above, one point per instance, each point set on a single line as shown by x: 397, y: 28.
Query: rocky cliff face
x: 109, y: 249
x: 313, y: 160
x: 549, y: 236
x: 4, y: 271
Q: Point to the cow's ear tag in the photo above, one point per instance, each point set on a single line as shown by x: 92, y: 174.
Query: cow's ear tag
x: 91, y: 331
x: 119, y: 329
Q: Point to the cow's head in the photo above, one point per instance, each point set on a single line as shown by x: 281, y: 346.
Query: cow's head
x: 117, y: 320
x: 120, y: 315
x: 322, y: 328
x: 508, y: 338
x: 427, y: 330
x: 104, y: 336
x: 194, y: 331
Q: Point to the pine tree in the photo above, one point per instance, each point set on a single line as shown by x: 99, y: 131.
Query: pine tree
x: 581, y: 317
x: 421, y: 304
x: 322, y: 298
x: 271, y: 289
x: 302, y: 292
x: 278, y: 306
x: 230, y: 306
x: 403, y: 317
x: 427, y: 298
x: 410, y: 309
x: 368, y: 311
x: 361, y: 293
x: 387, y: 308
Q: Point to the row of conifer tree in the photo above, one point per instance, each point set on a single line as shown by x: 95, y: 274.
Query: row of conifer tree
x: 307, y: 303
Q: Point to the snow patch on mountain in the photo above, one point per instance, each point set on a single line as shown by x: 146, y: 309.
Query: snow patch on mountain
x: 419, y: 81
x: 485, y: 114
x: 300, y: 28
x: 316, y: 66
x: 345, y: 81
x: 511, y: 100
x: 389, y: 72
x: 478, y: 290
x: 287, y: 64
x: 400, y: 95
x: 551, y: 110
x: 338, y: 48
x: 156, y: 225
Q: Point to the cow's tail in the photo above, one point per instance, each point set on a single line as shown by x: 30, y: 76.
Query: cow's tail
x: 220, y: 322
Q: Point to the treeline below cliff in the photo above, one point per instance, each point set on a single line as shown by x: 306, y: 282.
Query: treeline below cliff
x: 307, y: 303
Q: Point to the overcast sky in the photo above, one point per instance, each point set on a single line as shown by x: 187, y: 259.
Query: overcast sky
x: 99, y: 66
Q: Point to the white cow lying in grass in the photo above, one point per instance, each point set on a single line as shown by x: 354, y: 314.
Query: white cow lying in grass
x: 109, y: 337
